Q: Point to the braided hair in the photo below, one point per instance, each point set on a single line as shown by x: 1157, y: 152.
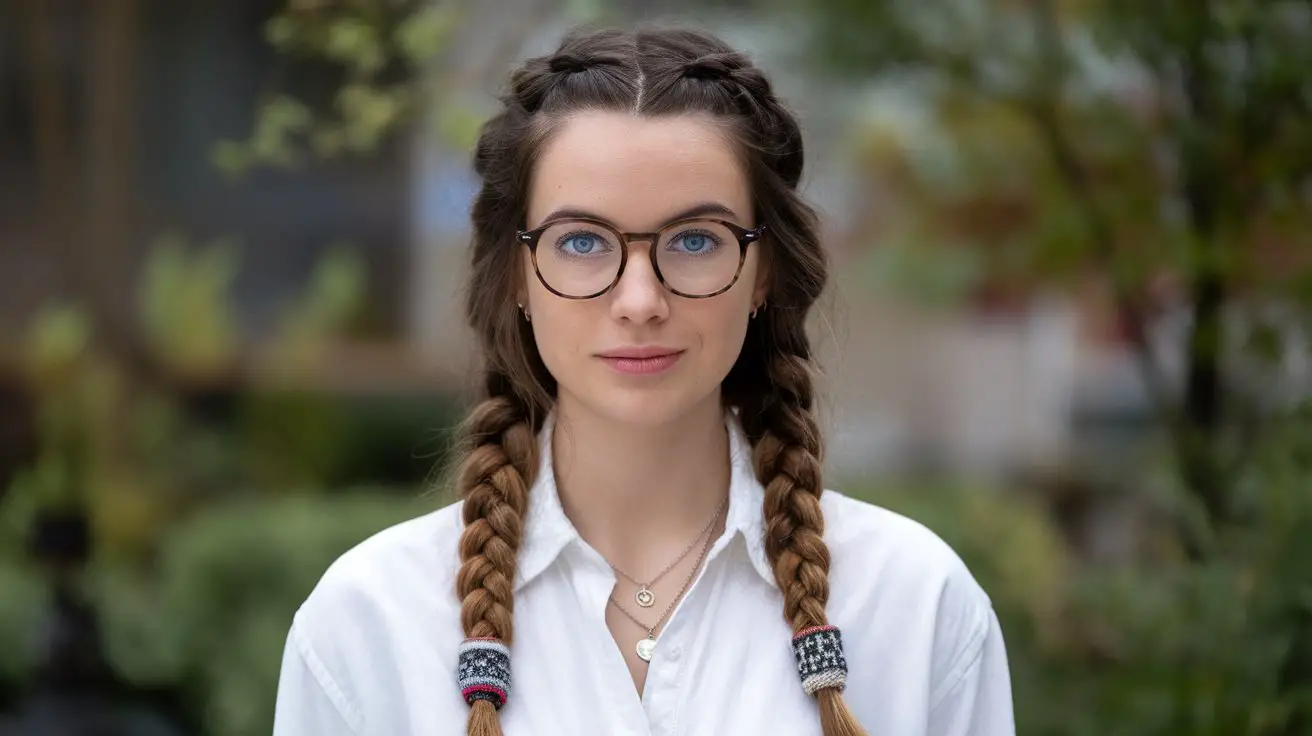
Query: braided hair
x: 650, y: 72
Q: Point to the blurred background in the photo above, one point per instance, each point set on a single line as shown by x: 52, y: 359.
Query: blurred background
x: 1068, y: 327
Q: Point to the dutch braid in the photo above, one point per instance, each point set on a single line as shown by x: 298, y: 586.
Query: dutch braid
x: 494, y: 479
x: 787, y: 455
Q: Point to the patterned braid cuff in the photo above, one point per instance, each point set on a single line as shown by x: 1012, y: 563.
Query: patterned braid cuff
x: 820, y: 662
x: 484, y: 671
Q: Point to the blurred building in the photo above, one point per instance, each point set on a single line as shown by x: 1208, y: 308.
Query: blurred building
x: 119, y: 112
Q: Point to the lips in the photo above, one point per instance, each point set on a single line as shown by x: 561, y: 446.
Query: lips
x: 639, y: 352
x: 645, y: 360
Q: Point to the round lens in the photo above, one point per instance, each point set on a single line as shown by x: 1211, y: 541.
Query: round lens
x: 698, y: 258
x: 578, y: 258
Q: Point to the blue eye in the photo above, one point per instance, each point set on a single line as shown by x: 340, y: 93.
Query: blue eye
x: 580, y: 244
x: 696, y: 241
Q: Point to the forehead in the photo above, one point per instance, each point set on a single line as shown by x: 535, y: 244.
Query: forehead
x: 637, y: 172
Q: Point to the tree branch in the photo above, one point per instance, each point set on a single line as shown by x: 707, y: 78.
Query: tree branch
x: 1204, y: 386
x: 1043, y: 108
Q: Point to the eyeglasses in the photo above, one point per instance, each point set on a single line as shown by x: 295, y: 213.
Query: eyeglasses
x: 581, y: 258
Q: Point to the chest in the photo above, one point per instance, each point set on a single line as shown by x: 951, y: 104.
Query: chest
x: 702, y: 679
x: 723, y: 666
x: 722, y: 663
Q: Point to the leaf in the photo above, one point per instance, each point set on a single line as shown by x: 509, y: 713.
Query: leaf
x: 368, y: 113
x: 231, y: 158
x: 59, y: 336
x: 280, y: 32
x: 422, y: 35
x: 21, y: 609
x: 355, y: 43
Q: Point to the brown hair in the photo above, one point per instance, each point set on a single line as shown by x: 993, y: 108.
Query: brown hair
x: 651, y: 72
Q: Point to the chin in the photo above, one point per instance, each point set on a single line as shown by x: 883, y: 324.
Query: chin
x: 647, y: 406
x: 642, y: 407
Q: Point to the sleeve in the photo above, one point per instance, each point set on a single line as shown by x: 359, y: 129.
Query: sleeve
x: 977, y: 700
x: 309, y: 701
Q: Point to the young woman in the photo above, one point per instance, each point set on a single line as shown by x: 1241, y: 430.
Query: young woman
x: 644, y: 545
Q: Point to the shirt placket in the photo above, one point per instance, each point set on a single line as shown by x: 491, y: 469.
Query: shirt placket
x: 660, y: 696
x: 667, y: 685
x: 657, y: 712
x: 621, y: 712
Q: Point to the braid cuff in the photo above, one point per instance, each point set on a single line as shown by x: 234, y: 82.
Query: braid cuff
x: 484, y: 671
x: 820, y: 662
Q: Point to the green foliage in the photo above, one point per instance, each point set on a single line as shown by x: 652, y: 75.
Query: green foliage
x: 1160, y: 150
x: 159, y: 465
x: 185, y: 306
x: 379, y: 49
x: 58, y: 338
x: 137, y: 454
x: 1131, y: 138
x: 20, y: 611
x: 1220, y: 648
x: 297, y: 438
x: 213, y: 619
x: 1216, y: 648
x: 76, y: 396
x: 421, y: 35
x: 292, y: 438
x: 280, y: 121
x: 326, y: 308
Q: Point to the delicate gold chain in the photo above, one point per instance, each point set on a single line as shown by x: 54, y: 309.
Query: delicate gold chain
x: 651, y: 630
x: 706, y: 530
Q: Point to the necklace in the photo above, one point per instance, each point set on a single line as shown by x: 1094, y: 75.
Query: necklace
x: 644, y: 596
x: 646, y: 646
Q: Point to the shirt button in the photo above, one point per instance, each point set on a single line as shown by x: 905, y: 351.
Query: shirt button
x: 675, y: 651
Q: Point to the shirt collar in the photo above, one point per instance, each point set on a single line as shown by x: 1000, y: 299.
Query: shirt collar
x: 548, y: 530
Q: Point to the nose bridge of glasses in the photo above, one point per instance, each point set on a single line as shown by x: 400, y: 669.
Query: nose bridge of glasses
x: 649, y: 238
x: 648, y: 277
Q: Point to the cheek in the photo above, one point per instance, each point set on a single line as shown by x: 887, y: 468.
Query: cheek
x: 564, y: 331
x: 721, y: 329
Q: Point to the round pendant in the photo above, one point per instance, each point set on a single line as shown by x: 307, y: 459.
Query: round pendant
x: 645, y: 648
x: 644, y: 597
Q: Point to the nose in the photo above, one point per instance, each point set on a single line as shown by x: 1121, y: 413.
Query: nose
x: 639, y: 296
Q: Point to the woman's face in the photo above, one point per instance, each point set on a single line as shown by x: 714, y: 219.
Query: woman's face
x: 638, y: 174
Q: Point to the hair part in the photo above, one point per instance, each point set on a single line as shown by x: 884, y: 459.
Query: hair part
x: 649, y: 72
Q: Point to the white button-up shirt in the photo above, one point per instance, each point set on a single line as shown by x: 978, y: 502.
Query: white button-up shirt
x: 373, y: 650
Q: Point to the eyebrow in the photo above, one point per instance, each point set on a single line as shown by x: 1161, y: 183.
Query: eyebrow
x: 697, y: 210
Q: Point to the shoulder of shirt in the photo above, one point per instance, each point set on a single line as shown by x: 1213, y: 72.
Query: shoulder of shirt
x: 886, y: 564
x: 900, y: 545
x: 395, y: 584
x: 385, y: 564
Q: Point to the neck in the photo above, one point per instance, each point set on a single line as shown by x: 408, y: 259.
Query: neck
x: 636, y: 492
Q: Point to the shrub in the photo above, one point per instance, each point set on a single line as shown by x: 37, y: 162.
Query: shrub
x: 214, y: 619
